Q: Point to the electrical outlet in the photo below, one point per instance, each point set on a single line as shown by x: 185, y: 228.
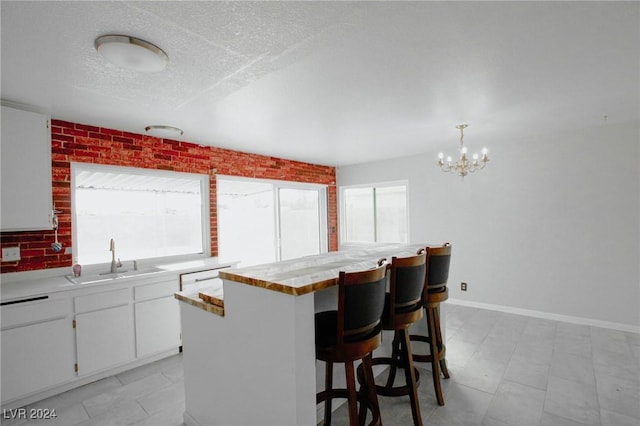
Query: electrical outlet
x: 463, y: 286
x: 11, y: 254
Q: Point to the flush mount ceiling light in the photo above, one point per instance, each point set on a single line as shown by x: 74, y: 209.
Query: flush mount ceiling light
x: 463, y: 166
x: 166, y: 132
x: 132, y: 53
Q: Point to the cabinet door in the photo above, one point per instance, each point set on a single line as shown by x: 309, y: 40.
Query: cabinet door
x: 25, y: 156
x: 36, y: 357
x: 157, y: 325
x: 104, y: 339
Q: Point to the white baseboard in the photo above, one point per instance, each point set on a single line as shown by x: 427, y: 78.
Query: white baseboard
x: 547, y: 315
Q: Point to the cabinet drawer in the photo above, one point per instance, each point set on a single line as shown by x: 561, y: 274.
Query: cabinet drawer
x: 107, y: 299
x: 22, y: 313
x: 155, y: 291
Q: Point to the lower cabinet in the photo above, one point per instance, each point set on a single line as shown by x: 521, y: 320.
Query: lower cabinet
x: 104, y: 339
x: 157, y: 318
x: 157, y: 326
x: 36, y: 357
x: 50, y: 341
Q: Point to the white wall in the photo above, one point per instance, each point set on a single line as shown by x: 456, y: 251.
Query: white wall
x: 552, y: 224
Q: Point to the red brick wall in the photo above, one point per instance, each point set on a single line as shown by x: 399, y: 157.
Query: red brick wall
x: 71, y: 142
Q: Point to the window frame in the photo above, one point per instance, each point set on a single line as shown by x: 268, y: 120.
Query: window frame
x: 203, y: 179
x: 343, y: 217
x: 277, y: 185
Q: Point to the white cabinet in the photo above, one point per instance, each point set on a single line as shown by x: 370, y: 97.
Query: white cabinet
x: 37, y: 346
x: 157, y: 318
x: 25, y: 156
x: 104, y: 334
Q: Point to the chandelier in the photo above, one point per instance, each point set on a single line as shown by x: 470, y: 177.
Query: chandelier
x: 463, y: 166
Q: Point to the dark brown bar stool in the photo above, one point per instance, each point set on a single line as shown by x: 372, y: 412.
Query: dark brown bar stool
x: 435, y: 292
x: 403, y: 307
x: 349, y: 334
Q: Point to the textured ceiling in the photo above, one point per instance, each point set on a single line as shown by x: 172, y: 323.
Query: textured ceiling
x: 332, y: 82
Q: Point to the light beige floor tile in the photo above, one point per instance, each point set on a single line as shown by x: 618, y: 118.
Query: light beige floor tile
x: 516, y: 404
x: 105, y: 402
x: 159, y: 400
x: 90, y: 390
x: 64, y: 416
x: 170, y: 416
x: 124, y: 413
x: 464, y: 406
x: 572, y: 400
x: 619, y: 395
x: 481, y: 374
x: 541, y: 328
x: 610, y: 418
x: 572, y: 367
x: 535, y: 349
x: 526, y: 372
x: 553, y: 420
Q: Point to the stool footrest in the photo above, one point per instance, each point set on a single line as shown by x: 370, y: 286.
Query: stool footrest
x: 440, y: 354
x: 389, y: 390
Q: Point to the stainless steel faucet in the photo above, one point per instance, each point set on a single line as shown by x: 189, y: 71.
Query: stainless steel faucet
x: 114, y: 265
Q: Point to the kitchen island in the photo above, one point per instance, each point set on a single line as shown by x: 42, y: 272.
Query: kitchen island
x: 251, y: 360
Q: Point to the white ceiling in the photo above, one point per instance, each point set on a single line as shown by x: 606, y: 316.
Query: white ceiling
x: 332, y: 82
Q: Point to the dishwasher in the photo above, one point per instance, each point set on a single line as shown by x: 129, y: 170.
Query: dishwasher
x: 193, y: 282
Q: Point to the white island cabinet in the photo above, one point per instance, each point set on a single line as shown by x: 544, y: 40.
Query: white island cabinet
x: 25, y: 154
x: 251, y: 360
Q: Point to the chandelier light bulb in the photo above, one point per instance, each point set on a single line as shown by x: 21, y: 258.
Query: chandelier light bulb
x: 441, y: 155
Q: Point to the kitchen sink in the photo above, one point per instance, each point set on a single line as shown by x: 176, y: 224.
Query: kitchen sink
x: 108, y: 276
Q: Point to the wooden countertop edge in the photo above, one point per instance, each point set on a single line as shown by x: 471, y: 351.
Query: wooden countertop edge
x: 280, y: 288
x: 198, y: 303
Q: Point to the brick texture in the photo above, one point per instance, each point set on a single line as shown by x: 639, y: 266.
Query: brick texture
x: 72, y: 142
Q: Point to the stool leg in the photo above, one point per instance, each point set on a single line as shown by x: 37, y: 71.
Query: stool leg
x: 372, y: 396
x: 441, y: 347
x: 433, y: 347
x: 410, y: 374
x: 395, y: 356
x: 353, y: 396
x: 328, y: 384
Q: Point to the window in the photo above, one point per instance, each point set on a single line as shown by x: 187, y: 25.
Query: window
x: 374, y: 213
x: 262, y: 221
x: 149, y: 213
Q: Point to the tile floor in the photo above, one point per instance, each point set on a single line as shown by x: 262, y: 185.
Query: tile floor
x: 505, y: 370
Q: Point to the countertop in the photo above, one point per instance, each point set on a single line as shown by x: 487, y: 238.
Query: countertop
x: 18, y: 285
x: 210, y: 300
x: 312, y: 273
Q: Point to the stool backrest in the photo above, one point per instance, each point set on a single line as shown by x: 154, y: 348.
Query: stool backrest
x: 360, y: 302
x: 407, y: 278
x: 438, y: 261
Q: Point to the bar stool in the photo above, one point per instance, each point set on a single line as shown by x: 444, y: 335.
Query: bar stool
x: 403, y: 307
x: 435, y: 292
x: 349, y: 334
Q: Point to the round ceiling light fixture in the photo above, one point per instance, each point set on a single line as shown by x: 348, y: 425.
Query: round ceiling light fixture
x: 132, y: 53
x: 165, y: 132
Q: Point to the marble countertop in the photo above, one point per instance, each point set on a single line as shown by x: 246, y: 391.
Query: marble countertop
x: 312, y: 273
